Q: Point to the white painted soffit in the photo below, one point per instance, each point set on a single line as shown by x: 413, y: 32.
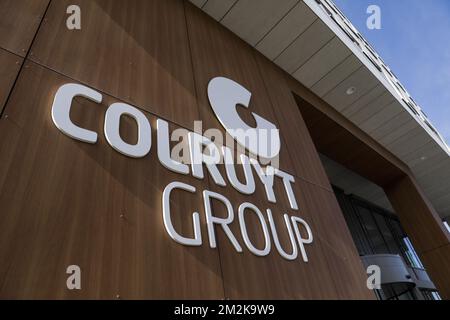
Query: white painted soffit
x: 314, y: 42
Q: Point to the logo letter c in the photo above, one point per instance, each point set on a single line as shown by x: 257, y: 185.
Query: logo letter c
x: 224, y: 94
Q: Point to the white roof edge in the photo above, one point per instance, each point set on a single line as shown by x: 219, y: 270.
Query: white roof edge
x: 360, y: 48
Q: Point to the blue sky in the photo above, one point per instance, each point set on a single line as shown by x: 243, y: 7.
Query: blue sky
x: 414, y: 41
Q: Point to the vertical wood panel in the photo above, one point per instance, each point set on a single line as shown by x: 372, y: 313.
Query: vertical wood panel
x: 437, y: 263
x: 325, y: 109
x: 417, y: 215
x: 135, y: 50
x: 65, y: 202
x: 344, y: 147
x: 19, y: 21
x: 9, y: 68
x: 218, y: 52
x: 62, y: 202
x: 349, y: 146
x: 298, y: 141
x: 425, y: 229
x: 345, y: 265
x: 247, y: 276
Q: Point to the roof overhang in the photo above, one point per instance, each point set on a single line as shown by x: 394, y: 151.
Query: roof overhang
x: 314, y: 42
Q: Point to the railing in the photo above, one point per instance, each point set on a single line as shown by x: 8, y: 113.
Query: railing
x: 395, y: 271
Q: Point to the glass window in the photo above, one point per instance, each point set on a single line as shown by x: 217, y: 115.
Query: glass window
x: 387, y: 235
x: 397, y: 292
x: 412, y: 255
x: 378, y: 231
x: 430, y: 295
x: 373, y: 232
x: 447, y: 226
x: 354, y: 225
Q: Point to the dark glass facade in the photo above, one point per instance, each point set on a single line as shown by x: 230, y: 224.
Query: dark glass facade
x: 376, y: 230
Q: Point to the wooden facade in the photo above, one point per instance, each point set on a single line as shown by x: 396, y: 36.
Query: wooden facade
x: 359, y: 152
x: 63, y: 202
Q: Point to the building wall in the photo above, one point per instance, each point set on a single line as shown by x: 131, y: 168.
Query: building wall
x: 65, y: 202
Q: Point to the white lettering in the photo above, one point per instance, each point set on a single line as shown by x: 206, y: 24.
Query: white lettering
x: 224, y: 222
x: 164, y: 149
x: 288, y: 180
x: 266, y: 177
x: 276, y: 240
x: 197, y: 240
x: 248, y: 243
x: 249, y: 186
x: 112, y: 132
x: 224, y: 95
x: 61, y: 111
x: 196, y: 143
x: 302, y: 241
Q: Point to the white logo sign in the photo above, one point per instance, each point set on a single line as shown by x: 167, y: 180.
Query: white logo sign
x: 264, y: 140
x: 224, y: 95
x: 73, y: 21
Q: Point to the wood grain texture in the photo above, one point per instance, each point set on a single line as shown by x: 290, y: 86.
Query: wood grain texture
x: 425, y: 229
x: 417, y: 216
x: 62, y: 202
x: 309, y: 98
x: 216, y: 51
x: 137, y: 51
x: 247, y: 276
x: 338, y: 143
x: 9, y: 69
x: 339, y: 250
x: 298, y: 141
x: 19, y: 22
x: 272, y: 277
x: 438, y: 266
x: 341, y: 141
